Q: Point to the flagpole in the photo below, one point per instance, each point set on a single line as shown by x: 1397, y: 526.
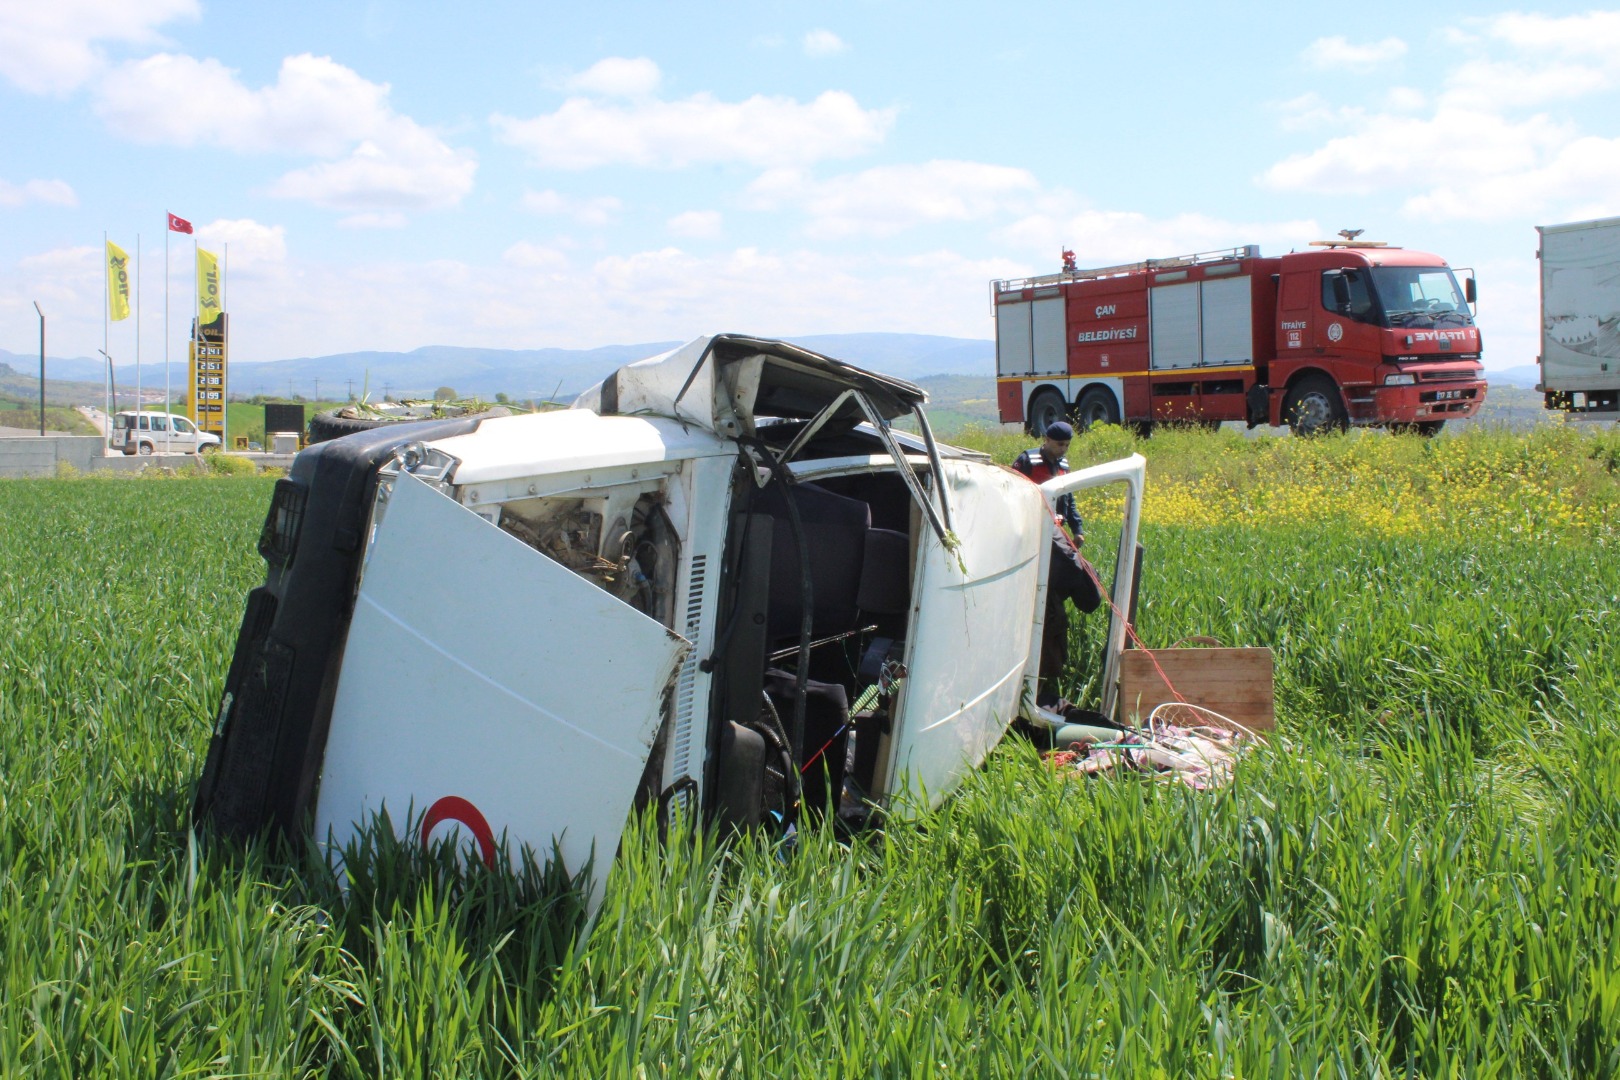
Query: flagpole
x: 106, y: 427
x: 224, y: 351
x: 137, y: 323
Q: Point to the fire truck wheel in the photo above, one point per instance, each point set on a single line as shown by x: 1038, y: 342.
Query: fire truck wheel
x: 1097, y: 406
x: 1045, y: 409
x: 1313, y: 407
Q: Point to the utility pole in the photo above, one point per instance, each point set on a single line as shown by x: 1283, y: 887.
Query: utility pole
x: 317, y: 389
x: 388, y: 391
x: 351, y: 389
x: 41, y: 368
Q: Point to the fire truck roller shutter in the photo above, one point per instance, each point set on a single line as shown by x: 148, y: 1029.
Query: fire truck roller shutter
x: 1049, y: 345
x: 1228, y: 322
x: 1176, y: 336
x: 1031, y: 337
x: 1013, y: 337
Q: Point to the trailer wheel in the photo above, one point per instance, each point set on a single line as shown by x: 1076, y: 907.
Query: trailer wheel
x: 1097, y: 406
x: 1046, y: 408
x: 1313, y: 407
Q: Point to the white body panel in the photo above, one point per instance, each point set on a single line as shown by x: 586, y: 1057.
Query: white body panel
x: 1173, y: 312
x: 707, y: 494
x: 1049, y: 338
x: 1580, y: 306
x: 1228, y: 321
x: 1131, y: 472
x: 451, y: 687
x: 971, y: 628
x: 1014, y: 335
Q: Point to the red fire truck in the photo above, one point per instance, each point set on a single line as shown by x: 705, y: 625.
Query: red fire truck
x: 1348, y: 332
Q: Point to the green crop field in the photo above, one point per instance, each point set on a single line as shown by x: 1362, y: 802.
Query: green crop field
x: 1419, y: 876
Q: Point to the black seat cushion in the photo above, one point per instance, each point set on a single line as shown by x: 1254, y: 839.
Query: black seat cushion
x: 885, y: 587
x: 835, y: 529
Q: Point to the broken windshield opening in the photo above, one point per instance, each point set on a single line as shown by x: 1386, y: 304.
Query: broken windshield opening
x: 939, y: 518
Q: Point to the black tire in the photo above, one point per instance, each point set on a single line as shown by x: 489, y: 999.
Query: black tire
x: 1096, y: 406
x: 328, y: 425
x: 145, y: 449
x: 1046, y: 408
x: 1314, y: 407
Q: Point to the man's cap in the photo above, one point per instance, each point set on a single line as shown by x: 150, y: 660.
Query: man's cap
x: 1060, y: 432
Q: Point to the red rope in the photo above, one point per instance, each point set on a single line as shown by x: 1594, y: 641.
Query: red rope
x: 1129, y: 629
x: 806, y: 766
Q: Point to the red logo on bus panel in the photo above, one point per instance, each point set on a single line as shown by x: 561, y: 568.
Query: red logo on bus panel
x: 455, y: 808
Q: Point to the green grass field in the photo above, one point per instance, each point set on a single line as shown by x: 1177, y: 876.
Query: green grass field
x: 1419, y: 877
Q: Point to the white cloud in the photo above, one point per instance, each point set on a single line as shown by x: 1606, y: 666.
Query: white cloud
x: 1578, y: 179
x: 1338, y: 54
x: 50, y: 192
x: 374, y: 219
x: 1401, y: 151
x: 618, y: 76
x: 697, y: 224
x: 884, y: 200
x: 1310, y: 111
x: 598, y: 210
x: 52, y: 47
x: 1596, y: 33
x: 1405, y: 99
x: 584, y: 133
x: 534, y: 256
x: 383, y: 161
x: 1112, y: 237
x: 823, y: 43
x: 1475, y: 149
x: 1491, y: 84
x: 250, y: 243
x: 316, y: 105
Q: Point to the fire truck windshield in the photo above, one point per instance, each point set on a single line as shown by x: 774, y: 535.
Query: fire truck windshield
x: 1420, y: 296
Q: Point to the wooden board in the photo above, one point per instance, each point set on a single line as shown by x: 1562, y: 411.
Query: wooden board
x: 1237, y: 683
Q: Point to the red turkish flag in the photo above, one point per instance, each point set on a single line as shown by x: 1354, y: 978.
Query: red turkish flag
x: 179, y: 224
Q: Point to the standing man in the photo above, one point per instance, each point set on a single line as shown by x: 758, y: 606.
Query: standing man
x: 1069, y: 578
x: 1041, y: 463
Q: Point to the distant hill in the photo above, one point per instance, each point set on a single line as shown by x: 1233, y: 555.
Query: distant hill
x: 1525, y: 375
x: 523, y: 373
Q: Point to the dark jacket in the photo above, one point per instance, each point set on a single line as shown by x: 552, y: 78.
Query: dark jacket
x: 1035, y: 466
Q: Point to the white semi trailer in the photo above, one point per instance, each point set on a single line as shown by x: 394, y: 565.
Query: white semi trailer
x: 1580, y: 317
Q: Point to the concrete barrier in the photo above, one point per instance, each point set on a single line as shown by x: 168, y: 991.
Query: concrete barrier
x: 134, y: 463
x: 39, y: 455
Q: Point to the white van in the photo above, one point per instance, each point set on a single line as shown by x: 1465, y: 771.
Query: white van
x: 151, y: 432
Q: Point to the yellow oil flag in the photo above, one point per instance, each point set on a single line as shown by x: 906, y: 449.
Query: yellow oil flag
x: 208, y: 308
x: 117, y: 282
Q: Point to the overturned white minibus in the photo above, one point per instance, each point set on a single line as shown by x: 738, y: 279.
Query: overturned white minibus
x: 721, y: 578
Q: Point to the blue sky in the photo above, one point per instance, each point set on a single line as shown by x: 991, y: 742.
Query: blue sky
x: 391, y: 175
